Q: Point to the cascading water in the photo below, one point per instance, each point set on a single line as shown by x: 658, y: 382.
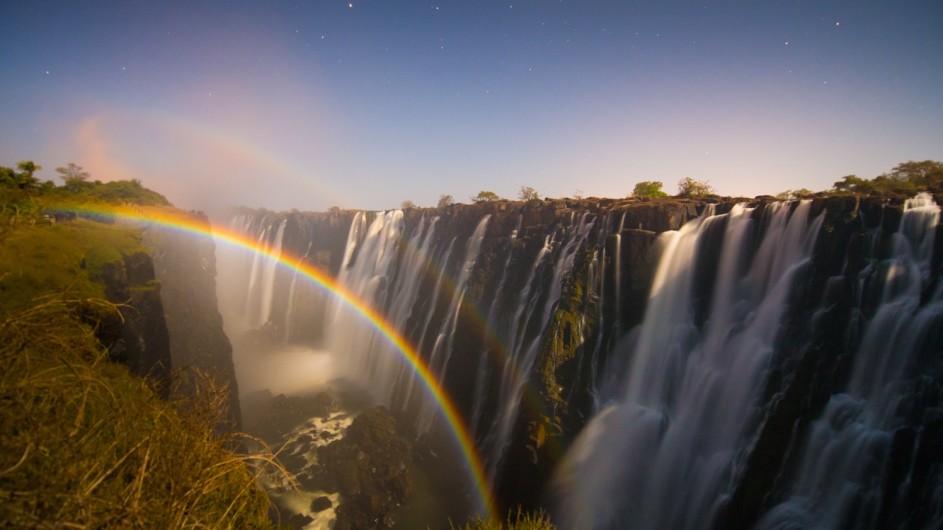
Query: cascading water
x: 784, y: 371
x: 841, y: 478
x: 523, y: 347
x: 669, y: 443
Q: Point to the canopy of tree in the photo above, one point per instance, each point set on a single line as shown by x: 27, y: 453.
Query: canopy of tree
x: 907, y: 178
x: 648, y: 188
x: 528, y: 194
x: 485, y: 196
x: 689, y: 187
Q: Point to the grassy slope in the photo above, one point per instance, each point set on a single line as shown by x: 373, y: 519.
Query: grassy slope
x: 82, y: 441
x: 62, y: 258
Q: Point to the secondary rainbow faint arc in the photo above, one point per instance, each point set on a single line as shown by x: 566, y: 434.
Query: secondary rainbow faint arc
x: 449, y: 410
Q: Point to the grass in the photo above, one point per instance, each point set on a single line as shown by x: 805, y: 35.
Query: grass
x: 65, y: 257
x: 520, y: 521
x: 83, y: 443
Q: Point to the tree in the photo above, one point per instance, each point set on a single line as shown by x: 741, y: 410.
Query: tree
x: 72, y: 172
x: 74, y: 178
x: 528, y: 194
x: 25, y: 179
x: 793, y: 194
x: 407, y: 204
x: 689, y: 187
x: 485, y: 196
x: 8, y: 177
x: 925, y: 175
x: 445, y: 200
x: 854, y: 184
x: 648, y: 188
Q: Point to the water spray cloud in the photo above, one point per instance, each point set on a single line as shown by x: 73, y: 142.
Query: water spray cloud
x: 180, y: 222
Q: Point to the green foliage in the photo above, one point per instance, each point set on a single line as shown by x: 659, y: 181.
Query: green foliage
x: 85, y: 444
x: 648, y: 188
x: 445, y: 200
x: 40, y: 259
x: 74, y: 178
x: 126, y: 192
x: 528, y: 194
x: 689, y: 187
x: 521, y: 521
x: 905, y: 178
x: 407, y: 204
x: 485, y: 196
x: 25, y: 179
x: 789, y: 195
x: 7, y: 177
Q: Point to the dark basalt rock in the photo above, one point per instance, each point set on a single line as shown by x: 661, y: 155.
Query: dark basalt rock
x: 370, y: 469
x: 320, y: 504
x: 272, y: 417
x: 185, y: 264
x: 139, y: 337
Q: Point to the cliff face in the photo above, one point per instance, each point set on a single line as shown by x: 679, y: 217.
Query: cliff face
x: 185, y: 266
x: 139, y: 338
x: 552, y: 294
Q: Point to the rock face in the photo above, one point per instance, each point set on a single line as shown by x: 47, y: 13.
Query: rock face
x: 139, y: 339
x: 370, y: 469
x: 556, y: 289
x: 185, y: 265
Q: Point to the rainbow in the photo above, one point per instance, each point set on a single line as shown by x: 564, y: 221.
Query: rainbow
x: 181, y: 222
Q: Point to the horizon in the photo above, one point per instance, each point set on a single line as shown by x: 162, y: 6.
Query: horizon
x: 365, y: 105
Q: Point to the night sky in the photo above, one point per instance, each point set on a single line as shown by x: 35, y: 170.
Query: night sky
x: 316, y: 104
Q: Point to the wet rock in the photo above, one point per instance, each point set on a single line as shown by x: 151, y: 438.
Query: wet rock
x: 320, y: 504
x: 299, y: 521
x: 369, y: 467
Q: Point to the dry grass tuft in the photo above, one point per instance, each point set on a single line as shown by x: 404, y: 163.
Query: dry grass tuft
x: 520, y: 521
x: 83, y: 443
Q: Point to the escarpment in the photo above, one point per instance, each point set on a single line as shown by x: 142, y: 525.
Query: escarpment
x: 539, y: 320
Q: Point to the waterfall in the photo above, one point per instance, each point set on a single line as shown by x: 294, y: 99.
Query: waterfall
x: 522, y: 346
x: 783, y: 370
x: 669, y: 444
x: 841, y: 478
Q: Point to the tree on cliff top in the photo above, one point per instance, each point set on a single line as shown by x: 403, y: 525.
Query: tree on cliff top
x: 528, y: 194
x: 689, y: 187
x: 25, y: 179
x: 445, y: 200
x: 74, y: 178
x: 648, y: 188
x: 907, y: 178
x: 485, y: 196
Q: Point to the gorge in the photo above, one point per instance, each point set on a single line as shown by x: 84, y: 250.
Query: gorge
x: 635, y: 363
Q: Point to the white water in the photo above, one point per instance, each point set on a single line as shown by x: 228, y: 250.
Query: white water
x: 668, y: 445
x: 523, y: 348
x: 840, y: 477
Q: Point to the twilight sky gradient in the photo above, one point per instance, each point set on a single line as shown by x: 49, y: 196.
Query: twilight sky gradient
x: 317, y: 103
